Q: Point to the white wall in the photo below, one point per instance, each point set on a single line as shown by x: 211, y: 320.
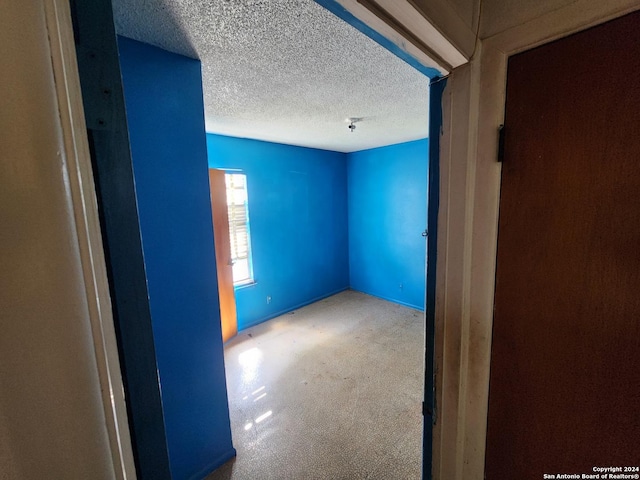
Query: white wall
x: 466, y: 10
x: 501, y: 15
x: 54, y: 410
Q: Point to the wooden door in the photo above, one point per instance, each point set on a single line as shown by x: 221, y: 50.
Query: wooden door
x: 224, y: 264
x: 564, y: 392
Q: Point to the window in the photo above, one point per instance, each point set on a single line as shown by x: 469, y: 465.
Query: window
x: 237, y: 204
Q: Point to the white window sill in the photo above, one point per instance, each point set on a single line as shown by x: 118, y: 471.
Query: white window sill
x: 244, y: 284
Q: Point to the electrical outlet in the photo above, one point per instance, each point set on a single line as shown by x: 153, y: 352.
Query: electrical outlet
x: 268, y: 298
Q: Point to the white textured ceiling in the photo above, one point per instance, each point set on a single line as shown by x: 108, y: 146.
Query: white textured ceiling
x: 286, y: 71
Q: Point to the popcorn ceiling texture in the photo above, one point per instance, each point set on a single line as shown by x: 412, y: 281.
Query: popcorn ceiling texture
x: 286, y: 71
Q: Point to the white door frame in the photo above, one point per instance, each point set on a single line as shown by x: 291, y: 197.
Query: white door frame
x: 85, y: 208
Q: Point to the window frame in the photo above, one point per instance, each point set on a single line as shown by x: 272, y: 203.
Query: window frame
x: 250, y: 279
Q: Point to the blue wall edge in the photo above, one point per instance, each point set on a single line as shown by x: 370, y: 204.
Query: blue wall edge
x: 217, y: 463
x: 429, y: 406
x: 389, y: 299
x: 165, y: 116
x: 339, y: 11
x: 295, y: 307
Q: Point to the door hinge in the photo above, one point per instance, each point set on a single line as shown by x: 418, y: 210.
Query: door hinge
x: 500, y: 143
x: 426, y: 411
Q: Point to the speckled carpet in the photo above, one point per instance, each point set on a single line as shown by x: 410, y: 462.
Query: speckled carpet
x: 330, y: 391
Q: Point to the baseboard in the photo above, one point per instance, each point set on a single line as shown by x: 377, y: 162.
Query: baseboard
x: 295, y: 307
x: 392, y: 300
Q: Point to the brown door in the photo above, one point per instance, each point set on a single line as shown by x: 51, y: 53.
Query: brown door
x: 564, y: 393
x: 223, y: 253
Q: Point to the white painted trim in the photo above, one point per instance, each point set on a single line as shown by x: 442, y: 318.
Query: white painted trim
x: 453, y: 284
x: 82, y: 191
x: 468, y: 226
x: 420, y: 24
x: 448, y: 57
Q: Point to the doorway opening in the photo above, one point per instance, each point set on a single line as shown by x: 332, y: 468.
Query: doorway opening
x: 324, y: 221
x: 169, y: 405
x: 313, y: 213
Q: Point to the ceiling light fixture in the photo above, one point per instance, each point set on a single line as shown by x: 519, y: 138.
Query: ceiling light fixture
x: 352, y: 123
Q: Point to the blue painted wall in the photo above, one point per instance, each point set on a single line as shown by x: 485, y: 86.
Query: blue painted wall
x: 298, y: 221
x: 387, y: 214
x: 165, y: 112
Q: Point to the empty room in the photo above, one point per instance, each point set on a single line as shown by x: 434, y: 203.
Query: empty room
x: 316, y: 176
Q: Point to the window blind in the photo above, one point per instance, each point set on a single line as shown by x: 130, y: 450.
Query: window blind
x: 238, y: 231
x: 237, y: 205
